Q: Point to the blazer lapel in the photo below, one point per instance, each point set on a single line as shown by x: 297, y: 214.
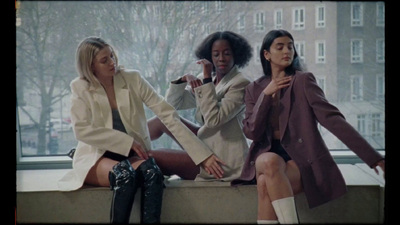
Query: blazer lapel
x: 122, y: 96
x: 228, y: 77
x: 100, y: 96
x: 285, y: 108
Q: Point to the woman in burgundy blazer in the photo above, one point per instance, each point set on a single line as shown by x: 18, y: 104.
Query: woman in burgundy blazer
x: 288, y: 154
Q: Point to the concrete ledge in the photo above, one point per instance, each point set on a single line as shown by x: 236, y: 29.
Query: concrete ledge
x: 39, y: 201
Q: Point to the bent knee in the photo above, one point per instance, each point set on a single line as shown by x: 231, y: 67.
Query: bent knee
x: 270, y: 164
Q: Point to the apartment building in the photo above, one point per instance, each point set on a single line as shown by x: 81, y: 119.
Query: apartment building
x: 341, y: 43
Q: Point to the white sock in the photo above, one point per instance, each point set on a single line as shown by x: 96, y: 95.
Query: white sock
x: 285, y: 210
x: 267, y: 222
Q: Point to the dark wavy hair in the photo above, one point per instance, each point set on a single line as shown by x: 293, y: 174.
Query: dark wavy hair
x: 267, y: 42
x: 242, y: 50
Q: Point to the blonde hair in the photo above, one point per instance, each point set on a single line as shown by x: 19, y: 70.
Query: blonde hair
x: 85, y: 54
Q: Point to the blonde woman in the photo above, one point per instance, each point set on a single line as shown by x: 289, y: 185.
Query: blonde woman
x: 109, y: 123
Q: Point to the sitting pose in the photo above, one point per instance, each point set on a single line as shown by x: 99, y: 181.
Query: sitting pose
x: 218, y: 96
x: 288, y: 154
x: 109, y: 123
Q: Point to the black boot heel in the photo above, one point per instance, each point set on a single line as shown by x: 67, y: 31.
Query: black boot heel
x: 124, y: 185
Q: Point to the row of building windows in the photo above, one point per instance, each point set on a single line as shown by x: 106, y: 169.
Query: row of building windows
x: 356, y: 51
x: 369, y: 125
x: 357, y: 86
x: 299, y: 22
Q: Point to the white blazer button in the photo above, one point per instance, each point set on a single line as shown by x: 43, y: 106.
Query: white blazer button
x: 252, y: 163
x: 300, y: 140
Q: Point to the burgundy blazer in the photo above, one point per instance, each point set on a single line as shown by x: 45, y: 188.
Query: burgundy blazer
x: 302, y: 106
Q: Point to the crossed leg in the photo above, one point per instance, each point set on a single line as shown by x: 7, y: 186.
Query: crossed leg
x: 275, y: 180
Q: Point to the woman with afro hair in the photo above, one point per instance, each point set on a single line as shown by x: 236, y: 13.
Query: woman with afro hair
x: 217, y: 94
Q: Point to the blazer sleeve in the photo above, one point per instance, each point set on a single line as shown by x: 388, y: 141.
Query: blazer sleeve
x: 86, y: 130
x: 217, y: 112
x: 179, y: 96
x: 196, y: 149
x: 333, y: 120
x: 257, y: 107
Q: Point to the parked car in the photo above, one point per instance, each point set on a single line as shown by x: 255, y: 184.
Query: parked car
x: 61, y: 125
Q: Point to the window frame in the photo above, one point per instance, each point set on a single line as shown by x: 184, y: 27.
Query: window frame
x: 380, y: 50
x: 259, y: 21
x: 356, y: 22
x: 38, y: 162
x: 380, y: 14
x: 356, y: 55
x: 357, y: 93
x: 300, y: 46
x: 241, y: 24
x: 278, y: 14
x: 301, y: 24
x: 380, y: 87
x: 320, y: 23
x: 320, y: 58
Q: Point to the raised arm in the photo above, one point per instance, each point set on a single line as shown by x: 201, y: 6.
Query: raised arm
x: 333, y: 120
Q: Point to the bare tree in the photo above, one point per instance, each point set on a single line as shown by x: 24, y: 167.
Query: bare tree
x: 44, y: 62
x: 156, y: 37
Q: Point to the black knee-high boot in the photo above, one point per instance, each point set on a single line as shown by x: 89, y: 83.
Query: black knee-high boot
x: 123, y: 182
x: 152, y: 191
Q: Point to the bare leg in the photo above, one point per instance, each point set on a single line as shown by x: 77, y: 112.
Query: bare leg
x: 157, y: 128
x: 175, y: 162
x: 98, y: 174
x: 275, y: 180
x: 172, y: 161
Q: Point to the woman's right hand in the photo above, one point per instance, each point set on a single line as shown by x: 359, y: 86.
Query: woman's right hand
x: 277, y: 84
x: 140, y: 151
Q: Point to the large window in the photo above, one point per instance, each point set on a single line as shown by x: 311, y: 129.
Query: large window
x: 159, y: 37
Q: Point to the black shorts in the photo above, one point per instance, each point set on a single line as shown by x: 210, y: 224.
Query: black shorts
x: 116, y: 156
x: 277, y: 148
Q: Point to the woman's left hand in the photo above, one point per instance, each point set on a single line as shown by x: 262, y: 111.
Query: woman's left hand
x: 212, y: 166
x: 381, y: 164
x: 193, y: 81
x: 207, y: 67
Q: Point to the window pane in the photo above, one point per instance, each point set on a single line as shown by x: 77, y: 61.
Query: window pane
x: 159, y: 37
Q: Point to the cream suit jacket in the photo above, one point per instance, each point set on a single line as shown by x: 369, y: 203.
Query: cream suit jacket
x: 92, y: 123
x: 219, y: 111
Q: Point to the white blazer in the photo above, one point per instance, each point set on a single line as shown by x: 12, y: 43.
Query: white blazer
x: 219, y: 111
x: 92, y: 123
